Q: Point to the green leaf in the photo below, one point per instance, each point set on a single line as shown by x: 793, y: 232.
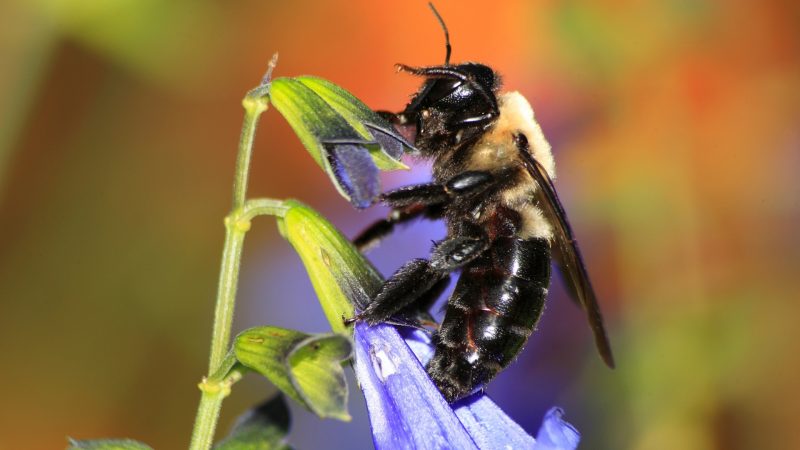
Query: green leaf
x: 262, y: 428
x: 339, y: 273
x: 107, y: 444
x: 305, y: 367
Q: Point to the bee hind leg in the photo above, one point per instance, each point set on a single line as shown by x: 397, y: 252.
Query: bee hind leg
x: 409, y: 283
x: 416, y: 314
x: 408, y: 287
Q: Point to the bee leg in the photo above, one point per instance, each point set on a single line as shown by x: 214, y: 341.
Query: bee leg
x: 408, y: 203
x: 376, y: 232
x: 456, y: 252
x: 416, y: 278
x: 411, y: 282
x: 427, y: 194
x: 432, y: 194
x: 469, y: 183
x: 411, y: 202
x: 417, y: 315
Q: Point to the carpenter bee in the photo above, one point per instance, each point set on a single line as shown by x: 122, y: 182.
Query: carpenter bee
x: 492, y: 184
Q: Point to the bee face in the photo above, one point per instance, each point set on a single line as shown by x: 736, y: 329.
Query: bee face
x: 455, y: 104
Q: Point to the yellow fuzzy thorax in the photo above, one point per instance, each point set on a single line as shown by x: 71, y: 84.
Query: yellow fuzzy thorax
x: 497, y: 150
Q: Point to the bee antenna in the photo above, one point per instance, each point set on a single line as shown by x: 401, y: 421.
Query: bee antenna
x: 446, y: 33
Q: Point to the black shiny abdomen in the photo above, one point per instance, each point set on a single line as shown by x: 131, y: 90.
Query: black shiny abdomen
x: 492, y: 312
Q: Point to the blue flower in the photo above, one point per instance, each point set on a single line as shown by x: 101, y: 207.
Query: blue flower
x: 408, y: 412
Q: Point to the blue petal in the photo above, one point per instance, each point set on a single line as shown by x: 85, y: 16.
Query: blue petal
x: 485, y: 422
x: 407, y: 411
x: 405, y: 408
x: 489, y: 426
x: 555, y: 433
x: 356, y: 173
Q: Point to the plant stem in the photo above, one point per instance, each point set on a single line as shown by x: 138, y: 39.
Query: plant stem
x: 235, y: 231
x: 214, y: 392
x: 237, y: 223
x: 205, y: 423
x: 216, y: 386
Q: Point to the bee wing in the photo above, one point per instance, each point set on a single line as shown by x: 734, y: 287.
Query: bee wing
x: 568, y: 256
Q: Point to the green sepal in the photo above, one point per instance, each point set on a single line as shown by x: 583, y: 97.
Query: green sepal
x: 339, y: 273
x: 307, y: 368
x: 107, y: 444
x: 360, y: 117
x: 319, y: 111
x: 311, y: 118
x: 262, y: 428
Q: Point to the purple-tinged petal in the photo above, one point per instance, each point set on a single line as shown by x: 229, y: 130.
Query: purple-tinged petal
x: 405, y: 408
x: 489, y: 426
x: 555, y: 433
x: 485, y: 422
x: 415, y: 415
x: 419, y: 342
x: 356, y: 173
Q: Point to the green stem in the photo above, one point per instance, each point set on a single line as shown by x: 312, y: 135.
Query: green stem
x: 205, y: 423
x: 235, y: 231
x: 264, y: 207
x: 216, y: 386
x: 255, y: 103
x: 214, y: 392
x: 237, y: 223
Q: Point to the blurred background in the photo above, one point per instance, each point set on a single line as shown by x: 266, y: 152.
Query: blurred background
x: 675, y: 130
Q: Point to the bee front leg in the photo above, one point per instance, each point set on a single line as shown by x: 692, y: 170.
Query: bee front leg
x: 408, y: 203
x: 417, y: 315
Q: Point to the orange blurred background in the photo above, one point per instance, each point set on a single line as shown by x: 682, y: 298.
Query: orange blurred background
x: 675, y: 131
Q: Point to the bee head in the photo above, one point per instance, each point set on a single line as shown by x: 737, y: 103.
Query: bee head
x: 454, y: 105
